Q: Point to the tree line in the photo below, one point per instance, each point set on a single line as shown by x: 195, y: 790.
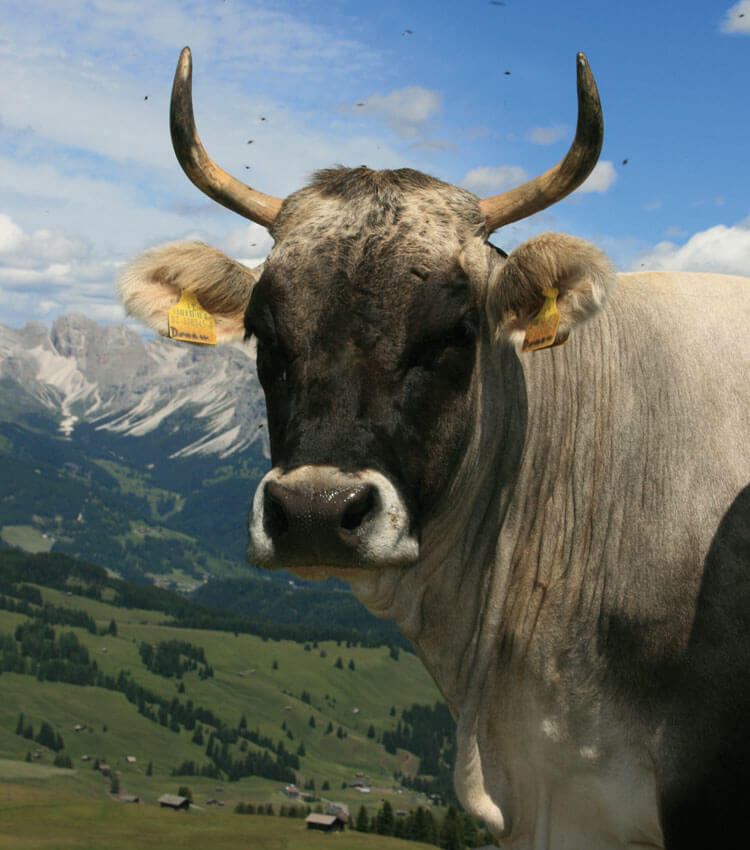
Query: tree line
x: 456, y: 830
x: 63, y: 572
x: 170, y: 658
x: 36, y: 650
x: 45, y: 737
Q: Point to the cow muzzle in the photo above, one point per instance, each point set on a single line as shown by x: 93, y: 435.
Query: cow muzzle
x: 318, y: 517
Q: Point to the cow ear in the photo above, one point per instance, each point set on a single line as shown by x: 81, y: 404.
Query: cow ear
x: 153, y: 283
x: 581, y: 273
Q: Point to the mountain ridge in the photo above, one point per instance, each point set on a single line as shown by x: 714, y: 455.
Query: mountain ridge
x: 78, y: 371
x: 139, y: 455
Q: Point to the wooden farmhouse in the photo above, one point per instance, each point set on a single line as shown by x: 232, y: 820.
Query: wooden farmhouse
x: 172, y: 801
x: 325, y: 823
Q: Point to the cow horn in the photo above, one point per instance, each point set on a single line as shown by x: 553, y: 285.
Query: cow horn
x: 568, y: 174
x: 197, y: 164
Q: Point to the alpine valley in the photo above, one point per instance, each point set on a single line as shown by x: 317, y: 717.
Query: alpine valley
x: 138, y: 455
x: 142, y: 456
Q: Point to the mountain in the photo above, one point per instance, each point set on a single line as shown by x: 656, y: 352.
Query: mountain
x: 139, y: 455
x: 78, y: 372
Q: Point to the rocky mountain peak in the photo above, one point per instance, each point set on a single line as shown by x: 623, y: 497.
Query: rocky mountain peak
x: 79, y: 371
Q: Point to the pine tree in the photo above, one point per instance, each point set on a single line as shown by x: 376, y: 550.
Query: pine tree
x: 469, y: 830
x: 363, y: 822
x: 386, y: 820
x: 150, y: 769
x: 451, y: 832
x: 47, y: 738
x: 19, y: 725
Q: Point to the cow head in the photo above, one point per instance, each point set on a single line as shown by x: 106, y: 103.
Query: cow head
x: 376, y: 315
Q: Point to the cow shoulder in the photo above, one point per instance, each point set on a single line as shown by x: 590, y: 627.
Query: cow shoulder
x: 152, y: 284
x: 581, y: 273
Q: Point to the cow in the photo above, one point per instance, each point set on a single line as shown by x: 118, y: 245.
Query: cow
x: 560, y: 530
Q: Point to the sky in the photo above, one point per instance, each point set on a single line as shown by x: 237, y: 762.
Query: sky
x: 479, y: 93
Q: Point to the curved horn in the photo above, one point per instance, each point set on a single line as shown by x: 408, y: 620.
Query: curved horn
x: 568, y: 174
x: 197, y: 164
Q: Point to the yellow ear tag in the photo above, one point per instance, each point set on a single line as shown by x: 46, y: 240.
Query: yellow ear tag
x: 541, y: 332
x: 189, y: 322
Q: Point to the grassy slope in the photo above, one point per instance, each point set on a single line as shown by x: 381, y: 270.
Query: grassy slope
x: 69, y: 822
x: 82, y: 492
x: 244, y: 683
x: 26, y: 537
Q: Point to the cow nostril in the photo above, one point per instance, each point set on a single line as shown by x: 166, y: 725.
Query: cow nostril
x: 274, y: 515
x: 358, y: 509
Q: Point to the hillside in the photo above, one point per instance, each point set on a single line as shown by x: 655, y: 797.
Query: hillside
x: 101, y: 700
x: 70, y: 823
x: 143, y: 457
x: 315, y: 712
x: 138, y: 455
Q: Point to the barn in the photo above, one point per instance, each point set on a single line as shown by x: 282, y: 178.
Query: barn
x: 172, y: 801
x: 324, y: 823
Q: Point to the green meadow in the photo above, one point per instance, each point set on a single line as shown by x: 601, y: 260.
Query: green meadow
x: 288, y: 691
x: 35, y: 818
x: 26, y: 537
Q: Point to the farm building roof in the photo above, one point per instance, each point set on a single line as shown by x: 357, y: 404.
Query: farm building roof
x: 323, y: 820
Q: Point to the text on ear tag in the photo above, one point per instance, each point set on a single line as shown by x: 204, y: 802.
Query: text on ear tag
x: 541, y: 332
x: 189, y: 322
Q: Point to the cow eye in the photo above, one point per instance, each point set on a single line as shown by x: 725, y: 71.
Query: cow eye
x: 464, y: 333
x: 443, y: 347
x: 273, y: 363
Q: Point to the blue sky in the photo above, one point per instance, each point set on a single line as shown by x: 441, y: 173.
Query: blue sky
x: 88, y: 177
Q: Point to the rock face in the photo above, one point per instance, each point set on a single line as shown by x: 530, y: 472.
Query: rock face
x: 78, y: 371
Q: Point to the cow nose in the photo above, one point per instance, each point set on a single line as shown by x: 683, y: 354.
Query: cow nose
x: 319, y: 516
x: 324, y: 519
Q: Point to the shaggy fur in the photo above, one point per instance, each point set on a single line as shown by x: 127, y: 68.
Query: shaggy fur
x: 581, y: 272
x: 151, y: 285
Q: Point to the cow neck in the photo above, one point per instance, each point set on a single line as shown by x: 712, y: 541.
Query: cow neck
x: 444, y: 604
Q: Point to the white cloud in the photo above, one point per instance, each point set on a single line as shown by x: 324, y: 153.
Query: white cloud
x: 737, y: 18
x: 547, y: 135
x: 46, y: 272
x: 11, y: 235
x: 43, y: 308
x: 719, y: 249
x: 652, y: 206
x: 249, y: 243
x: 406, y: 111
x: 601, y: 178
x: 493, y: 179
